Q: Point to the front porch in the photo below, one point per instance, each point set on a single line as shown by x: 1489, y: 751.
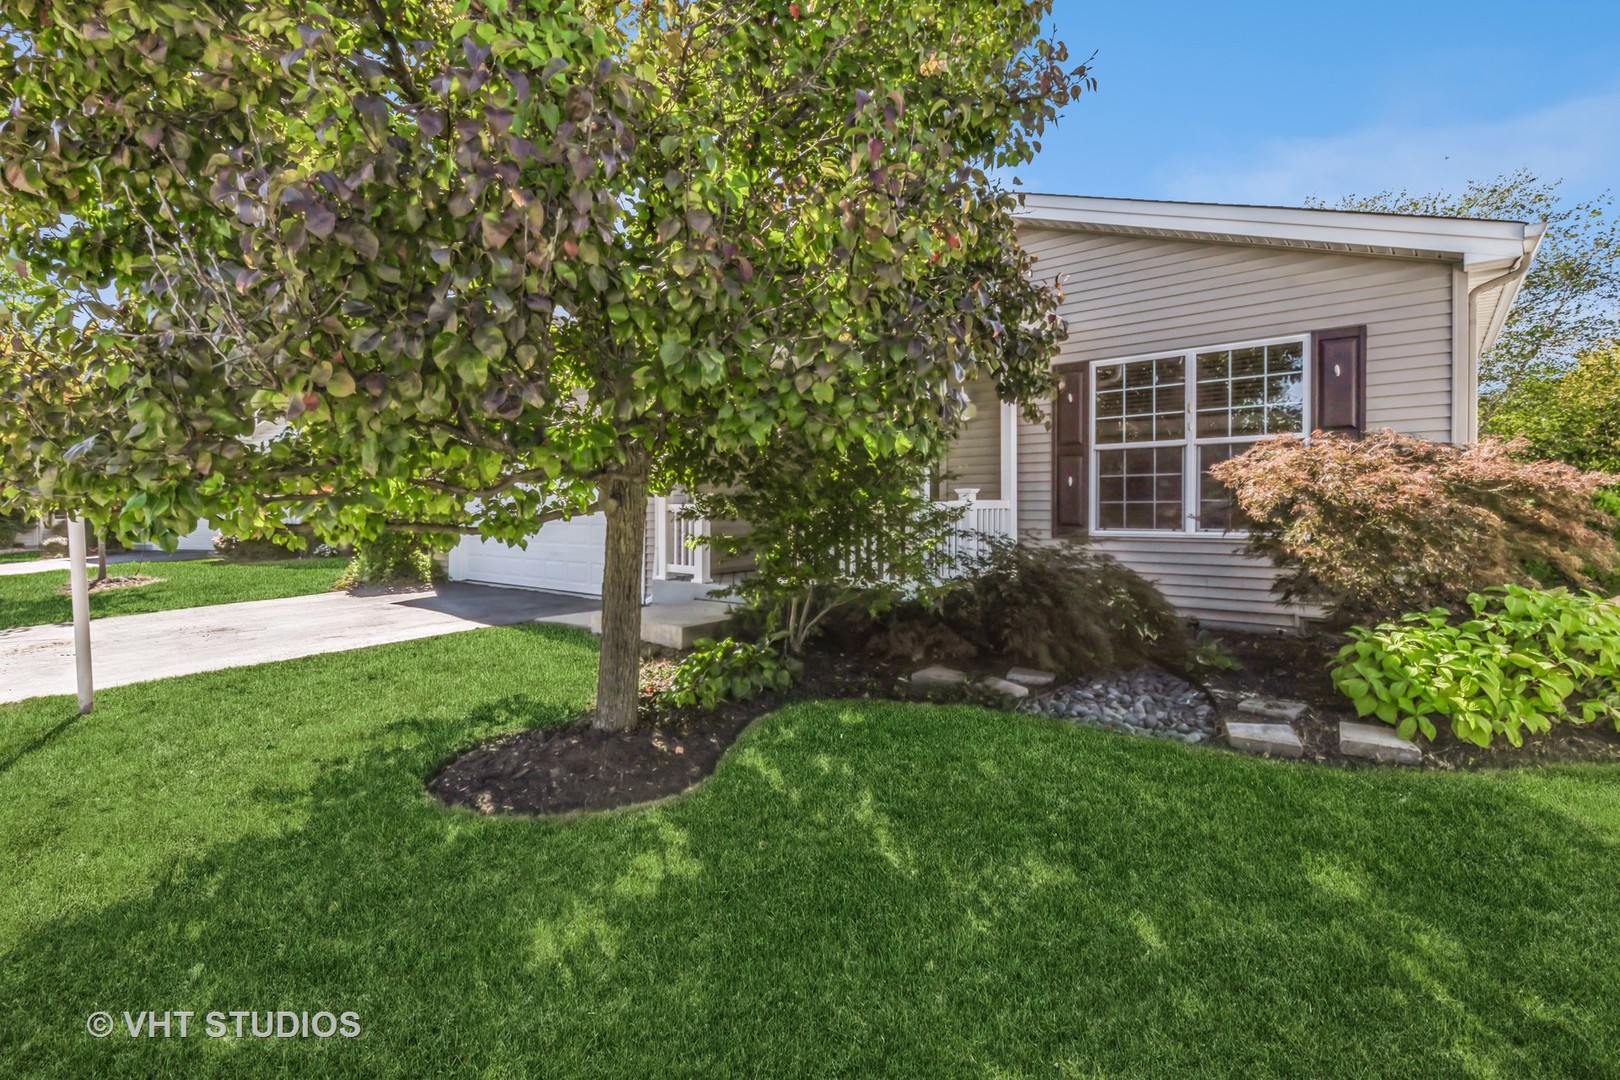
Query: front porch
x: 979, y: 477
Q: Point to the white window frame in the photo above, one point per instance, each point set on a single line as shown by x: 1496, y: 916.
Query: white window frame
x: 1190, y: 442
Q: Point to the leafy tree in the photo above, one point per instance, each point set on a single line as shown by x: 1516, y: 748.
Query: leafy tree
x: 1570, y: 299
x: 471, y: 266
x: 1573, y: 417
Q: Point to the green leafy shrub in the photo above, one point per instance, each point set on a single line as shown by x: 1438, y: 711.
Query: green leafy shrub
x: 1391, y: 523
x: 856, y: 534
x: 11, y: 526
x: 1571, y: 415
x: 1514, y: 666
x: 1064, y: 608
x: 248, y: 549
x: 392, y: 559
x: 716, y: 671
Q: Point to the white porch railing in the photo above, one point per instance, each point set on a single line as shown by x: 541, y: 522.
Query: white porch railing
x: 678, y: 557
x: 981, y: 519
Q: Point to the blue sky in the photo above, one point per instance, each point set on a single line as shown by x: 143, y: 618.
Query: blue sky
x: 1271, y: 103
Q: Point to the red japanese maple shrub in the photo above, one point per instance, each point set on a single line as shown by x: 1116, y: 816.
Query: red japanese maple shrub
x: 1390, y: 523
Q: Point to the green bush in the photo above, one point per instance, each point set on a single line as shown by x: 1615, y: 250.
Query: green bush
x: 394, y: 559
x: 248, y: 549
x: 11, y: 525
x: 1514, y: 666
x: 716, y: 671
x: 1063, y: 608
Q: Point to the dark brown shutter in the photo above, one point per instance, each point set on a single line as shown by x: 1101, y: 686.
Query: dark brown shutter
x: 1069, y: 502
x: 1339, y: 373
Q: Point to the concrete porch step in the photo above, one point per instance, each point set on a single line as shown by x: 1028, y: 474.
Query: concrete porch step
x: 677, y: 626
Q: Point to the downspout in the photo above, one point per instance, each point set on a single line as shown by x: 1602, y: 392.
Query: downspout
x: 1513, y: 276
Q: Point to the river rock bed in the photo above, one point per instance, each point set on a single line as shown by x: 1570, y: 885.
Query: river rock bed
x: 1144, y: 701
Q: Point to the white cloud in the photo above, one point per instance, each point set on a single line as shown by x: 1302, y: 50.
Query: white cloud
x: 1577, y: 140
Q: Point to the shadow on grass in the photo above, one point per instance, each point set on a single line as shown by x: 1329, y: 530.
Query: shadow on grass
x: 869, y: 889
x: 39, y: 742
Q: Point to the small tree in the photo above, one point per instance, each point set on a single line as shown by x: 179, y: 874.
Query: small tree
x: 1390, y: 523
x: 469, y: 267
x: 826, y: 533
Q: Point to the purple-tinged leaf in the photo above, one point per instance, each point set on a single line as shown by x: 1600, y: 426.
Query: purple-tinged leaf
x: 430, y: 122
x: 372, y: 107
x: 521, y: 148
x: 496, y: 230
x: 499, y: 120
x: 519, y: 83
x: 288, y: 59
x: 320, y: 220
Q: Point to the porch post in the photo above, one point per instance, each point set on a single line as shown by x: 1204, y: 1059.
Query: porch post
x: 661, y: 538
x: 1009, y: 465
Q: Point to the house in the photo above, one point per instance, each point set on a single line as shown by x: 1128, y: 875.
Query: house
x: 1194, y: 329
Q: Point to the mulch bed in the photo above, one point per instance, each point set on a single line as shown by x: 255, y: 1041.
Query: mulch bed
x: 1296, y: 668
x: 670, y: 750
x: 577, y: 768
x: 108, y: 584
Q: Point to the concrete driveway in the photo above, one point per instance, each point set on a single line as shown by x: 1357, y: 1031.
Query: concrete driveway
x: 36, y: 660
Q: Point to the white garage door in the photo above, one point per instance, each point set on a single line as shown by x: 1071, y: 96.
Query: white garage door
x: 565, y: 556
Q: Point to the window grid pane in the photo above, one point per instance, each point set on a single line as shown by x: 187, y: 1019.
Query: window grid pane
x: 1217, y: 510
x: 1254, y: 391
x: 1140, y: 488
x: 1142, y: 401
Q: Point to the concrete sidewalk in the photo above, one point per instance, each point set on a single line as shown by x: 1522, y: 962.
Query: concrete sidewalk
x: 36, y: 660
x: 40, y: 566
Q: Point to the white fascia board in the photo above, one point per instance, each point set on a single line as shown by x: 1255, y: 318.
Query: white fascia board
x: 1465, y: 238
x: 1504, y: 303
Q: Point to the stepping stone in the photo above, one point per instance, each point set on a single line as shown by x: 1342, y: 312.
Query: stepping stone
x: 1274, y: 740
x: 1273, y: 708
x: 1031, y: 678
x: 938, y: 675
x: 1005, y: 687
x: 1377, y: 742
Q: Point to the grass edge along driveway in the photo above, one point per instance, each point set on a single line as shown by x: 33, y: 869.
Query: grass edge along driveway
x: 865, y: 888
x: 33, y: 599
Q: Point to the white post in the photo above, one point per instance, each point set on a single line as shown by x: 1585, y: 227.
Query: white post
x: 79, y: 578
x: 700, y: 569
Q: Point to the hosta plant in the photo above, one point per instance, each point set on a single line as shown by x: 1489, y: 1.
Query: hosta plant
x: 1523, y: 662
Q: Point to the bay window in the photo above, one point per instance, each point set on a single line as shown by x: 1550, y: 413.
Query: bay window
x: 1159, y: 423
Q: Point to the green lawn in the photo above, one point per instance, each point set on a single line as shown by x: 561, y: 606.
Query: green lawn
x: 18, y: 556
x: 864, y: 888
x: 32, y: 599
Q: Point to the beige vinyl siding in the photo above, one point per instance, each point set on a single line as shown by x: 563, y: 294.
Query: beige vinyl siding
x: 1131, y: 296
x: 974, y: 459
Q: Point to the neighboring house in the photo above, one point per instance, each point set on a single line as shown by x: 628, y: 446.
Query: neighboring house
x: 1194, y: 329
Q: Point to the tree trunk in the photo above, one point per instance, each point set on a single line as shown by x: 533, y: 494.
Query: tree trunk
x: 618, y: 672
x: 101, y: 558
